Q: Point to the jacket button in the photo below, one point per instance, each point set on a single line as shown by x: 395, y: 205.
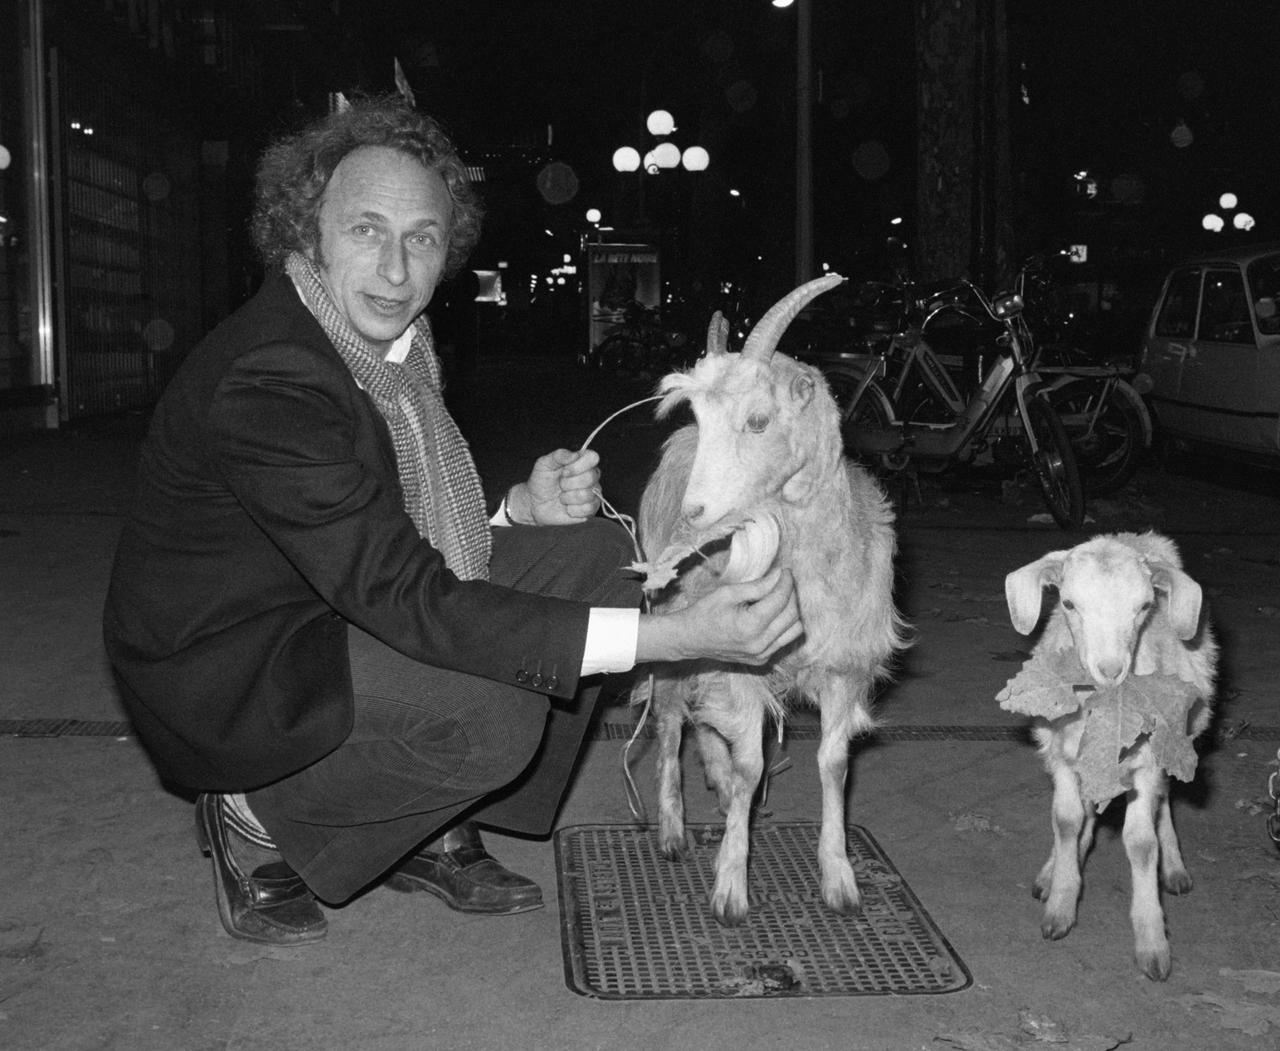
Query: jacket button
x: 537, y: 679
x: 553, y: 681
x: 522, y: 676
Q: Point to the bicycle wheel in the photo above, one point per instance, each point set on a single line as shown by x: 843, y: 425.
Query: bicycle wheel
x: 1054, y: 465
x: 870, y: 413
x: 1107, y: 438
x: 620, y: 352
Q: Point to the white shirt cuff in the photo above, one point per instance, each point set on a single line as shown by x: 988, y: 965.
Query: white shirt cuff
x: 612, y: 635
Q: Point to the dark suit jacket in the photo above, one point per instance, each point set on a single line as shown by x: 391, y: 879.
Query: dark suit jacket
x: 268, y: 515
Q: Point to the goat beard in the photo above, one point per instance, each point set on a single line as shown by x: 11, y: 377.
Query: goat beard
x: 754, y: 542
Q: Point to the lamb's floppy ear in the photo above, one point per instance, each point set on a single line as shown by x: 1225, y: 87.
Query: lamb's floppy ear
x: 1024, y: 590
x: 1184, y: 598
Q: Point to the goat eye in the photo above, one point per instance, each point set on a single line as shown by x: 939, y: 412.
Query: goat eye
x: 757, y: 422
x: 1068, y: 604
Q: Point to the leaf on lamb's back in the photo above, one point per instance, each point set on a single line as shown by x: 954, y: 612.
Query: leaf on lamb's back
x: 1049, y: 685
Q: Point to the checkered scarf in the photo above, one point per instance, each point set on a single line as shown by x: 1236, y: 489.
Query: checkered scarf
x: 442, y: 492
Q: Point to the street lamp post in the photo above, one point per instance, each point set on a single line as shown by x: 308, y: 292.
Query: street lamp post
x: 664, y: 155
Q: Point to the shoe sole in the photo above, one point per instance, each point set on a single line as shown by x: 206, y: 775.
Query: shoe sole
x: 397, y: 881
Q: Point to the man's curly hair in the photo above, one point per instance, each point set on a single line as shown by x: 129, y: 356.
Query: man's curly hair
x: 294, y: 171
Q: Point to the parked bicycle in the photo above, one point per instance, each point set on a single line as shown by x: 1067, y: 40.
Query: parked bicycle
x: 902, y: 408
x: 640, y: 345
x: 1098, y: 398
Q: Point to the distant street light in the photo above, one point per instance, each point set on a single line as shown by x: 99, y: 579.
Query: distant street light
x: 626, y: 159
x: 695, y: 159
x: 660, y: 123
x: 665, y: 155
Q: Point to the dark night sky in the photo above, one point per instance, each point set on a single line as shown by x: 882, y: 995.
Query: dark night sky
x: 1107, y: 80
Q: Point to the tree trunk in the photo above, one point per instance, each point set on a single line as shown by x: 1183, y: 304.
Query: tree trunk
x: 964, y: 183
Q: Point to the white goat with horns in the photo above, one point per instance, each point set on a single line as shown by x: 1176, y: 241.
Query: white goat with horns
x: 764, y: 467
x: 1120, y: 683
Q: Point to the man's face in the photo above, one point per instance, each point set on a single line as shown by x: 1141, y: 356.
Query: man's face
x: 384, y: 232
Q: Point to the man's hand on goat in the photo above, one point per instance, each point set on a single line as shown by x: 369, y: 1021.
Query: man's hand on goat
x: 564, y: 488
x: 740, y: 623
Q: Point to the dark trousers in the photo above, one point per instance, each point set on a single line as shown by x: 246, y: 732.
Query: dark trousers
x: 430, y: 746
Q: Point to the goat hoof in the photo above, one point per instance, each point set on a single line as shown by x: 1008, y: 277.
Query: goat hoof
x: 844, y: 904
x: 727, y: 911
x: 729, y: 917
x: 674, y: 852
x: 1155, y: 964
x: 672, y: 844
x: 1179, y: 882
x: 1055, y: 927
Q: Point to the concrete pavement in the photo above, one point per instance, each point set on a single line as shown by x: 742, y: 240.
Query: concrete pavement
x: 108, y: 933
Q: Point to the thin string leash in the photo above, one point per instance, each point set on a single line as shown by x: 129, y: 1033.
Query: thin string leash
x: 635, y: 803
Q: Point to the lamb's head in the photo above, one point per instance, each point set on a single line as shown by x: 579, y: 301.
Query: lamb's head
x: 768, y: 428
x: 1108, y: 593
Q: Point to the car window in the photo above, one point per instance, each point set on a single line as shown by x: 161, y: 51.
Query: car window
x: 1224, y: 308
x: 1177, y: 317
x: 1264, y: 287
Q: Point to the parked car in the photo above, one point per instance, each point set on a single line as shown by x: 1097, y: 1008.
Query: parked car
x: 1212, y: 350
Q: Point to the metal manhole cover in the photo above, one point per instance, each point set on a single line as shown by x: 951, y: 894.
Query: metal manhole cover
x: 635, y: 926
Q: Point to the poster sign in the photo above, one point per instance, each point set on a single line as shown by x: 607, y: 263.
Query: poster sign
x: 617, y: 276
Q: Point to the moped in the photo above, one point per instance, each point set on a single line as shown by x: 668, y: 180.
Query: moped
x: 901, y: 407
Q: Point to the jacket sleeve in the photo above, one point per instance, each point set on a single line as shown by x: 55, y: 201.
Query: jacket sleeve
x: 296, y: 442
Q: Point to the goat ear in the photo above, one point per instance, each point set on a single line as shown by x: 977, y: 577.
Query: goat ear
x: 1184, y: 598
x: 802, y: 387
x: 1023, y: 590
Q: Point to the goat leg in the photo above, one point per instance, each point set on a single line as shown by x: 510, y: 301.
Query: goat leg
x: 717, y: 764
x: 729, y: 896
x: 730, y: 720
x: 843, y: 705
x: 671, y: 838
x: 1150, y: 944
x: 1174, y: 876
x: 1058, y: 884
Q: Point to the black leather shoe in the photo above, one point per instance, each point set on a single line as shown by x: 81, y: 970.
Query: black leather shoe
x: 458, y: 870
x: 272, y: 904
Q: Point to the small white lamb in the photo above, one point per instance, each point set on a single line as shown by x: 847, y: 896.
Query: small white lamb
x: 1120, y: 683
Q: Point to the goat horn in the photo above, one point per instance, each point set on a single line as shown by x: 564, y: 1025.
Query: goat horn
x: 717, y: 335
x: 764, y: 338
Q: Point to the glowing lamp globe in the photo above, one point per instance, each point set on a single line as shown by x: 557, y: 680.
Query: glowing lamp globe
x: 660, y: 123
x: 626, y: 159
x: 666, y: 155
x: 696, y: 159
